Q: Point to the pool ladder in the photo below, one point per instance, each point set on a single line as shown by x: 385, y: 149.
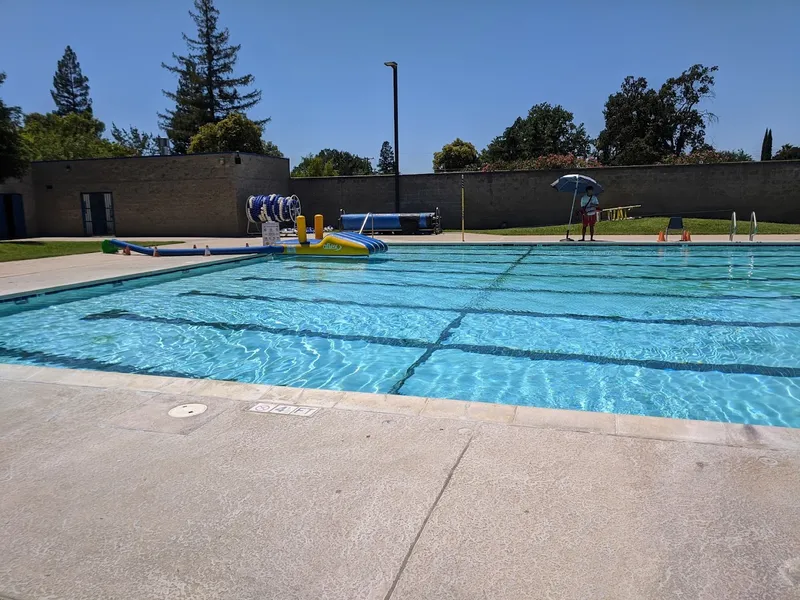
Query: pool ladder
x: 753, y: 226
x: 364, y: 224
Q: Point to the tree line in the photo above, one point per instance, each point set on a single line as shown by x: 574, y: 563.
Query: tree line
x: 210, y: 103
x: 209, y: 114
x: 643, y: 126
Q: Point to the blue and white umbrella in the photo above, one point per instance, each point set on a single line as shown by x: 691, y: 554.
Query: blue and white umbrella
x: 575, y: 183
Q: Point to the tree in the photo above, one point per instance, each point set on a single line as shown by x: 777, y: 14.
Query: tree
x: 386, y: 160
x: 643, y: 126
x: 189, y: 114
x: 70, y: 86
x: 458, y: 155
x: 546, y: 130
x: 787, y: 152
x: 708, y: 156
x: 343, y: 163
x: 234, y: 133
x: 766, y: 145
x: 314, y: 166
x: 13, y: 159
x: 207, y: 90
x: 135, y: 142
x: 72, y: 136
x: 631, y: 132
x: 548, y: 161
x: 271, y: 149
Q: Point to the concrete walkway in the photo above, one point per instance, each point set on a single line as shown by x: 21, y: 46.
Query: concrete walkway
x: 106, y: 496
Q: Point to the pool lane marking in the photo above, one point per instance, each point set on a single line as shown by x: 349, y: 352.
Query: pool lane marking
x: 317, y: 280
x: 633, y: 263
x: 492, y: 311
x: 591, y: 272
x: 534, y: 355
x: 255, y: 328
x: 447, y: 331
x: 71, y: 362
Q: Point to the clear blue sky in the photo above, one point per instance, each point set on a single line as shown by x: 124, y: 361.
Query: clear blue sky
x: 467, y: 69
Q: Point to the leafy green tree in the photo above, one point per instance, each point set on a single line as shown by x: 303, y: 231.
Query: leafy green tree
x: 234, y: 133
x: 643, y: 126
x: 314, y: 166
x: 708, y: 156
x: 135, y: 142
x: 13, y: 159
x: 344, y: 163
x: 548, y: 162
x: 546, y: 130
x: 70, y: 86
x: 631, y: 132
x: 766, y: 145
x: 72, y: 136
x: 458, y: 155
x: 787, y: 152
x: 271, y: 149
x: 208, y: 91
x: 386, y: 160
x: 683, y: 124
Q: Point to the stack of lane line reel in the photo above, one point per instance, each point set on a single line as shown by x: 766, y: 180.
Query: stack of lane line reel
x: 270, y: 211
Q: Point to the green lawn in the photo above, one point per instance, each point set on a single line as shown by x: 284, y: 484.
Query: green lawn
x: 22, y: 250
x: 648, y: 226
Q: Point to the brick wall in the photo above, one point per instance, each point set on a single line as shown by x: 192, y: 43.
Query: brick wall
x: 525, y: 198
x: 205, y: 195
x: 259, y: 175
x: 194, y: 195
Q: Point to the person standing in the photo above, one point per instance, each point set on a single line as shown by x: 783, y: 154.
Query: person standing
x: 589, y: 205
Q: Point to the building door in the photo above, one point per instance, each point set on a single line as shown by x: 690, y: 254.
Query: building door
x: 12, y: 217
x: 98, y: 213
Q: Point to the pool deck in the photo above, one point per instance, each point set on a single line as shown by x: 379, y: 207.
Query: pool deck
x: 106, y: 496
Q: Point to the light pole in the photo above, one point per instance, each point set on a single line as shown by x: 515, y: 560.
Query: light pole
x: 393, y: 65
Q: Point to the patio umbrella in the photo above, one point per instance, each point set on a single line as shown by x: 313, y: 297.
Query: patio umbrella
x: 575, y: 183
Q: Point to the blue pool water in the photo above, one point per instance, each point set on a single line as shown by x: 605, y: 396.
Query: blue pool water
x: 691, y: 332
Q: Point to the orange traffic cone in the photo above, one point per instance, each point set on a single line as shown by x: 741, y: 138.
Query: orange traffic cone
x: 126, y: 250
x: 661, y: 237
x: 155, y: 251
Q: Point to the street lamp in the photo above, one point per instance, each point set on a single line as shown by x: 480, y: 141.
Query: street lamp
x: 393, y: 65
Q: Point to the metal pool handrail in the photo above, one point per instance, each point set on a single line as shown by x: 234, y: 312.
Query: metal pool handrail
x: 753, y: 225
x: 733, y: 227
x: 364, y: 224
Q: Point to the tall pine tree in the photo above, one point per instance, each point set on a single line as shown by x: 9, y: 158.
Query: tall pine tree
x: 766, y: 145
x: 189, y: 114
x: 70, y: 86
x: 386, y: 159
x: 207, y: 90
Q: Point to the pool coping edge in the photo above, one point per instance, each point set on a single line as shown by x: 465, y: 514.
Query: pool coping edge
x: 718, y: 433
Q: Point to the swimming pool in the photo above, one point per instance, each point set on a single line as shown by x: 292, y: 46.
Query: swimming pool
x: 700, y: 332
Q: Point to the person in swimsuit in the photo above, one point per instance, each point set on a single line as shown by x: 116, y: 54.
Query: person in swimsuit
x: 589, y: 204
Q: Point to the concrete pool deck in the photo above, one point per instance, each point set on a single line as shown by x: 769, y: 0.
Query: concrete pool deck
x: 106, y: 496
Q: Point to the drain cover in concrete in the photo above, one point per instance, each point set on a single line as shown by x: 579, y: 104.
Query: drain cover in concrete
x: 187, y: 410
